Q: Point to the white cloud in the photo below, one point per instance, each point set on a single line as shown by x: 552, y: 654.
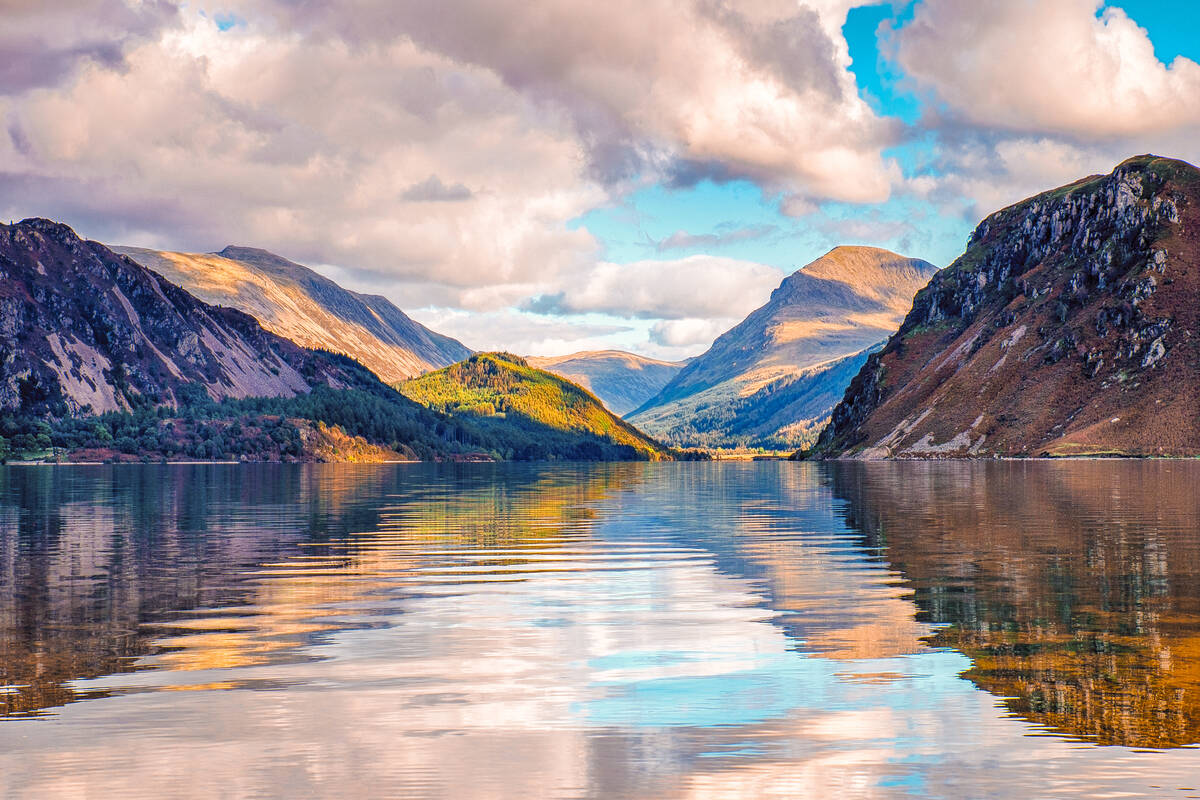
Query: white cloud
x: 437, y: 152
x: 1047, y: 67
x: 695, y: 286
x: 527, y: 334
x: 690, y: 334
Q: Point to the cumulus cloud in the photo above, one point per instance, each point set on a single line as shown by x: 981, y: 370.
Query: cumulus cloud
x: 434, y: 151
x: 1046, y: 67
x: 41, y: 44
x: 432, y: 190
x: 525, y: 334
x: 308, y: 148
x: 749, y: 89
x: 696, y: 286
x: 689, y: 334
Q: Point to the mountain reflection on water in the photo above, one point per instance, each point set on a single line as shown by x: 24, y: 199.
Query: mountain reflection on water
x: 1073, y: 587
x: 619, y: 630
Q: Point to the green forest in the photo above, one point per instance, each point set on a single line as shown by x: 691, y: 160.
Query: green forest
x: 485, y: 416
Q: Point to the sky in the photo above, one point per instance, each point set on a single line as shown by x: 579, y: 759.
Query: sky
x: 549, y: 176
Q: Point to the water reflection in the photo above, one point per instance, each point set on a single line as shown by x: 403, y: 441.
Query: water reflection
x: 628, y: 630
x: 1073, y: 587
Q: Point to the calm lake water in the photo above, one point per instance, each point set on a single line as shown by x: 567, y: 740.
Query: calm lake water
x: 957, y: 630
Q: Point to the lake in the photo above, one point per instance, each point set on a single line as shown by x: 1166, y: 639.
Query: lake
x: 703, y: 630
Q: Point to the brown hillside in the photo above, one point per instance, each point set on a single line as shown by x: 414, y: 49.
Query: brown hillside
x: 1068, y: 327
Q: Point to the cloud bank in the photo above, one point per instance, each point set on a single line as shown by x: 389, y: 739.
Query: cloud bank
x: 443, y: 154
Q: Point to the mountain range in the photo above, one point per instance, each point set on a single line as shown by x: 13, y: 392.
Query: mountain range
x: 1066, y: 328
x: 773, y: 379
x: 295, y: 302
x: 104, y: 358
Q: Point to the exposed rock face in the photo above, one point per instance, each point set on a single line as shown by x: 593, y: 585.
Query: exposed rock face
x: 293, y: 301
x: 1066, y: 328
x: 773, y: 378
x: 84, y: 329
x: 623, y: 381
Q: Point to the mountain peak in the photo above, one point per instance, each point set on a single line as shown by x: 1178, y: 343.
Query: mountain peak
x: 753, y: 385
x: 860, y: 265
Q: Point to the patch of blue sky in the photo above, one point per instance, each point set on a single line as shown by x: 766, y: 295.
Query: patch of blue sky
x: 735, y: 214
x: 1172, y: 26
x: 736, y: 220
x: 224, y: 20
x: 878, y: 82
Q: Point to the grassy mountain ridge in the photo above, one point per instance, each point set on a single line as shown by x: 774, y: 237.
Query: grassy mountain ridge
x: 533, y: 413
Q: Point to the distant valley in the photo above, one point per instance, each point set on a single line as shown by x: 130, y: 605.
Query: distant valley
x: 623, y: 381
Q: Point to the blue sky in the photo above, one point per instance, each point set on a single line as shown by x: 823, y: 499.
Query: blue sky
x: 547, y: 176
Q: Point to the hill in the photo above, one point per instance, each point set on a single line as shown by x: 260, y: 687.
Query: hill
x: 773, y: 379
x: 530, y: 413
x: 295, y: 302
x: 623, y: 381
x: 1068, y: 327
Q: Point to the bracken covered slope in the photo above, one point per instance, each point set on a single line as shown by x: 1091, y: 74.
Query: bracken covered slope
x: 293, y: 301
x: 622, y: 380
x: 773, y: 378
x: 82, y: 328
x: 530, y: 412
x: 1068, y: 327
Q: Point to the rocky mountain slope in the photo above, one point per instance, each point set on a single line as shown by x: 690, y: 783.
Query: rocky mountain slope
x: 773, y: 378
x: 531, y: 413
x: 1068, y: 327
x: 294, y: 302
x: 623, y: 381
x: 85, y: 329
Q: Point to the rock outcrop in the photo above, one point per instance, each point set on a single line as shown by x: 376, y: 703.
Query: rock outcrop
x: 1068, y: 327
x: 83, y: 329
x: 772, y: 379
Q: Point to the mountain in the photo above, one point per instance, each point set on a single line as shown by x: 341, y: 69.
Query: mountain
x: 530, y: 413
x: 622, y: 380
x: 84, y: 329
x: 773, y: 378
x: 1068, y: 327
x: 294, y: 302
